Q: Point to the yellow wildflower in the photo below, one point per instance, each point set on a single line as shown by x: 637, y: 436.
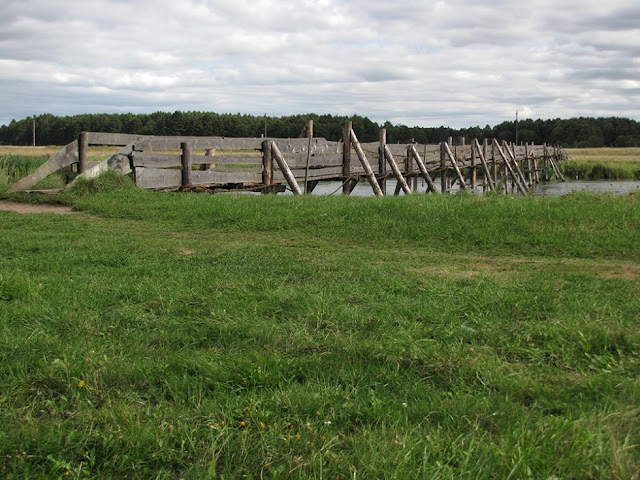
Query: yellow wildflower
x: 81, y: 384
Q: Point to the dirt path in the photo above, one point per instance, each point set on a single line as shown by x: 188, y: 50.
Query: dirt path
x: 34, y: 208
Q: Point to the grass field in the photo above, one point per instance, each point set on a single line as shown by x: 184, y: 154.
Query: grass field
x: 603, y: 163
x: 218, y: 336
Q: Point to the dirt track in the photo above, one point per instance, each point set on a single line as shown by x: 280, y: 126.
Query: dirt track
x: 34, y: 208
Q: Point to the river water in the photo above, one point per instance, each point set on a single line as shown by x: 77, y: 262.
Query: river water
x: 552, y: 188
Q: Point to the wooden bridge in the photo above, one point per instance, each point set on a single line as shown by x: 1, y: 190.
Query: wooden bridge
x: 270, y: 165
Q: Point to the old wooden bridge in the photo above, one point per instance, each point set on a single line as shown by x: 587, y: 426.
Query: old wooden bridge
x: 270, y: 165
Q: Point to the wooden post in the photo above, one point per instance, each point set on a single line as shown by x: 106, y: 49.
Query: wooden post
x: 485, y: 167
x: 396, y: 171
x: 365, y: 163
x: 382, y: 165
x: 346, y: 157
x: 83, y: 147
x: 306, y: 171
x: 423, y: 169
x: 267, y: 166
x: 454, y: 162
x: 494, y: 164
x: 186, y: 163
x: 508, y: 167
x: 474, y: 173
x: 518, y: 171
x: 286, y: 171
x: 443, y: 169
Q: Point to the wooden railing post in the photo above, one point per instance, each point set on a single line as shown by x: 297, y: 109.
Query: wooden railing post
x: 309, y: 131
x: 267, y: 167
x: 83, y: 147
x: 346, y: 158
x: 382, y: 165
x: 443, y: 169
x: 186, y: 163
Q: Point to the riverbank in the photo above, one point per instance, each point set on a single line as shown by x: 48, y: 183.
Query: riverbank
x: 603, y: 164
x: 208, y: 336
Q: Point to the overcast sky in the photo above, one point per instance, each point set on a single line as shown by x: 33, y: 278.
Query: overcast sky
x: 428, y: 63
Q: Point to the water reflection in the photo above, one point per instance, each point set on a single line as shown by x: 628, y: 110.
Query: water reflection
x: 363, y: 189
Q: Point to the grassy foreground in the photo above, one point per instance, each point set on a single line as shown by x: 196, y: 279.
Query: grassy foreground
x: 199, y: 336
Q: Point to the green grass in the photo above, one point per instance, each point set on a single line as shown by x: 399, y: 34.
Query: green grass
x: 603, y: 164
x: 219, y: 336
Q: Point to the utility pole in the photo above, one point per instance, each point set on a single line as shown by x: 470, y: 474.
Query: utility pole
x: 34, y: 130
x: 516, y: 128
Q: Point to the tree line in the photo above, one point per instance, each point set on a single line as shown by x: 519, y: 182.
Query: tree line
x: 575, y: 132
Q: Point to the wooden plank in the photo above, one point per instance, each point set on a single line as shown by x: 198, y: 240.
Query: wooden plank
x: 66, y: 156
x: 365, y: 163
x: 319, y: 145
x: 157, y: 178
x: 115, y: 139
x: 238, y: 175
x: 163, y: 160
x: 155, y: 160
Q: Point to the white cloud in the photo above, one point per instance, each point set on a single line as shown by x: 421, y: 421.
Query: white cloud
x: 429, y: 63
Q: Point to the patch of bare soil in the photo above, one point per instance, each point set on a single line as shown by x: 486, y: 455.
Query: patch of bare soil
x: 34, y: 208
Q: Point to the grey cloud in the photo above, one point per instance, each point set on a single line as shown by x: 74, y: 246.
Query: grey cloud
x: 420, y: 63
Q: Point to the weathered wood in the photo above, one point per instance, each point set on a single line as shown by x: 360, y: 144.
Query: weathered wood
x: 115, y: 139
x: 310, y: 135
x: 163, y: 178
x: 83, y: 147
x: 157, y: 178
x: 555, y: 166
x: 186, y: 163
x: 163, y: 160
x: 444, y: 172
x: 396, y: 171
x: 485, y: 167
x: 346, y: 156
x: 299, y: 174
x: 516, y: 167
x: 507, y: 165
x: 365, y: 163
x: 382, y: 165
x: 224, y: 176
x: 423, y: 170
x: 293, y: 184
x: 65, y: 157
x: 267, y: 165
x: 474, y: 172
x: 319, y: 145
x: 454, y: 163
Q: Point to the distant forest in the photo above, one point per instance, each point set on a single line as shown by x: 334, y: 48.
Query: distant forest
x: 574, y: 132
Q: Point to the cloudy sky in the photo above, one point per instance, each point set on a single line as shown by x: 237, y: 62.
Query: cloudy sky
x: 429, y: 63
